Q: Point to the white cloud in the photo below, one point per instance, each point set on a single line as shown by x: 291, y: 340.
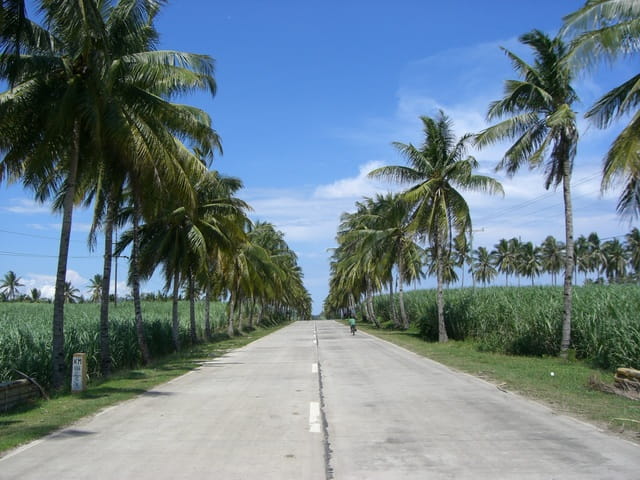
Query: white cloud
x: 47, y: 283
x: 25, y: 206
x: 351, y: 188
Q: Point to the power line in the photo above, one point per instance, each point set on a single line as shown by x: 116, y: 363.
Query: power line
x: 33, y: 235
x: 535, y: 200
x: 21, y: 254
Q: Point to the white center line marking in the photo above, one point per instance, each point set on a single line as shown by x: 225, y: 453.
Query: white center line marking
x: 314, y: 417
x: 314, y: 368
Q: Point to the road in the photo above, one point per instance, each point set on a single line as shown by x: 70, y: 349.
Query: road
x: 310, y: 401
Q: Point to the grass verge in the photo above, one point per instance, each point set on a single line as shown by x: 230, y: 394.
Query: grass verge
x: 39, y: 418
x: 563, y: 385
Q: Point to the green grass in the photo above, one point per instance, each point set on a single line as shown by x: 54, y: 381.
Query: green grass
x: 567, y: 391
x: 38, y: 418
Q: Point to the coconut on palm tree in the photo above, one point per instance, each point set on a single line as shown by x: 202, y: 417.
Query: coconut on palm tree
x: 536, y: 113
x: 435, y: 172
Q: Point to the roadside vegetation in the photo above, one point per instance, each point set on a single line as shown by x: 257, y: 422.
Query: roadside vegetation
x: 94, y: 114
x: 392, y: 241
x: 526, y: 321
x: 25, y: 335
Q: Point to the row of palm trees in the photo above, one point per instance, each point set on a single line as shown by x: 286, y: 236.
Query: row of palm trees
x: 10, y: 290
x: 536, y: 114
x: 612, y: 261
x: 90, y: 117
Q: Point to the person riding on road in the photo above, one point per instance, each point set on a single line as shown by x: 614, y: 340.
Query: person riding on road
x: 352, y: 325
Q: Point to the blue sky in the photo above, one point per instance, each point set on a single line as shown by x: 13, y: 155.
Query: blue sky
x: 310, y: 96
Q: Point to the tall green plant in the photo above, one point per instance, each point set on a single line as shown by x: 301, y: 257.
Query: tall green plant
x: 540, y: 120
x: 435, y: 172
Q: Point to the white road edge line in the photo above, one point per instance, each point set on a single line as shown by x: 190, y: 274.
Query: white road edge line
x: 314, y: 418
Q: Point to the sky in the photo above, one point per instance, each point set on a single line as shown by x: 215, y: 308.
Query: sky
x: 311, y: 96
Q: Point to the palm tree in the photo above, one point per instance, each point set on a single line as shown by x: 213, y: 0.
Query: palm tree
x: 10, y: 285
x: 529, y: 261
x: 597, y: 260
x: 35, y: 295
x: 88, y: 88
x: 552, y: 256
x: 482, y: 267
x: 632, y: 247
x: 375, y: 241
x: 581, y: 251
x: 439, y: 211
x: 95, y: 288
x: 461, y: 255
x: 609, y: 29
x: 615, y: 266
x: 505, y: 258
x: 71, y: 293
x: 540, y: 120
x: 180, y: 238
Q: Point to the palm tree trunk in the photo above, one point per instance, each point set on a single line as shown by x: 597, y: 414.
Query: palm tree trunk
x: 352, y: 305
x: 174, y: 312
x: 207, y: 313
x: 57, y: 344
x: 239, y: 303
x: 105, y: 351
x: 442, y: 331
x: 569, y: 262
x: 403, y: 312
x: 392, y: 305
x: 192, y: 309
x: 372, y: 313
x: 135, y: 286
x: 232, y: 306
x: 251, y: 313
x: 260, y: 313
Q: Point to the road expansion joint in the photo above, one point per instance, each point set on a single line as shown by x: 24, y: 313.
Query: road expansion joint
x: 323, y: 417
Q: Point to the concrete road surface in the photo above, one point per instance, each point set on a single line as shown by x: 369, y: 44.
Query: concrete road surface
x: 313, y: 402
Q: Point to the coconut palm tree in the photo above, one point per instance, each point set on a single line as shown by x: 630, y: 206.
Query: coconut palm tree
x: 608, y: 30
x: 394, y: 246
x: 35, y: 295
x: 95, y: 288
x: 86, y: 86
x: 180, y: 238
x: 482, y: 266
x: 632, y: 248
x: 505, y: 258
x: 439, y: 211
x: 10, y: 285
x: 71, y: 293
x: 529, y: 261
x: 597, y: 260
x: 536, y: 112
x: 581, y: 251
x: 461, y: 255
x: 615, y: 266
x: 552, y: 256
